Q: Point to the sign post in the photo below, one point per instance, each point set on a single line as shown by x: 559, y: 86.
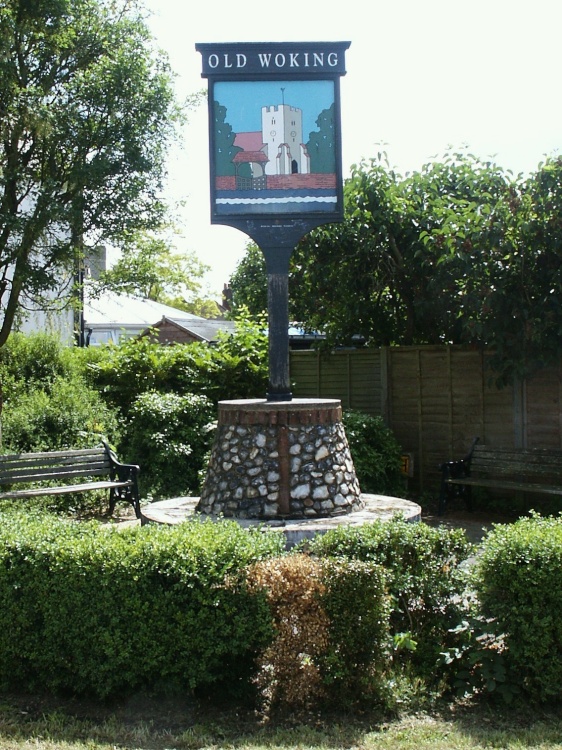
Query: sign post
x: 275, y: 158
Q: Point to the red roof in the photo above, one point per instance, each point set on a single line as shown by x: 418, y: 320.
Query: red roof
x: 244, y: 157
x: 249, y: 141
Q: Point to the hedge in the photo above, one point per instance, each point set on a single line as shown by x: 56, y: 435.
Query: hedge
x: 425, y: 576
x: 92, y: 610
x: 519, y: 583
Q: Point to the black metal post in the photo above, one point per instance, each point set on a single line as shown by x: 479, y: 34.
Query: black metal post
x: 277, y: 266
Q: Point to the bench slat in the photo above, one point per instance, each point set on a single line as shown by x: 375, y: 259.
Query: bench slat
x: 66, y: 489
x: 511, y: 459
x: 22, y: 467
x: 31, y: 463
x: 539, y: 466
x: 46, y: 474
x: 517, y: 486
x: 53, y: 454
x: 543, y: 466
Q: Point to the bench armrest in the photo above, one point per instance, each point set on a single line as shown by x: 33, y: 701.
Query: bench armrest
x: 122, y: 471
x: 455, y: 469
x: 458, y: 469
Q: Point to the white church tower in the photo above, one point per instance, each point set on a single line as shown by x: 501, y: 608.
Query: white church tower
x: 282, y: 134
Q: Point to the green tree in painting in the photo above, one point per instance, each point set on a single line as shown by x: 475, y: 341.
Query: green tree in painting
x: 322, y: 144
x: 225, y: 150
x: 86, y: 114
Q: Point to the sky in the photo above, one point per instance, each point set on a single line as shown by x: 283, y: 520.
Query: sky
x: 424, y: 75
x: 244, y: 100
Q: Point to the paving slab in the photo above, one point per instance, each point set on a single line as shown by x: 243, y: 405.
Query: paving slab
x: 377, y: 507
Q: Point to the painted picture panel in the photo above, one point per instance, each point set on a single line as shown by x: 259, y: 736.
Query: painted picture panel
x: 274, y: 147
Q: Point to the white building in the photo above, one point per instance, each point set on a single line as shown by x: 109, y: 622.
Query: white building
x: 283, y: 137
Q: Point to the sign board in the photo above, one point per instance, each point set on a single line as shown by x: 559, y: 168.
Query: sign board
x: 274, y: 133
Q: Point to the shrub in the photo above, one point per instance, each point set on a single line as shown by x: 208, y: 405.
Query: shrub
x: 236, y: 367
x: 29, y: 361
x: 475, y: 664
x: 123, y: 373
x: 518, y: 582
x: 49, y: 406
x: 66, y: 415
x: 424, y: 578
x: 47, y: 403
x: 357, y: 606
x: 169, y: 436
x: 90, y: 610
x: 288, y: 669
x: 330, y: 624
x: 375, y: 452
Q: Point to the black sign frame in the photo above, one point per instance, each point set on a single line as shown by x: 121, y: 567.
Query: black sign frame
x: 310, y: 68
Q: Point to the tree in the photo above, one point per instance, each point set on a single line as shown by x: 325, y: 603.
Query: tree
x: 249, y: 282
x: 148, y: 268
x: 86, y: 114
x: 402, y: 266
x: 522, y: 316
x: 225, y: 150
x: 460, y: 252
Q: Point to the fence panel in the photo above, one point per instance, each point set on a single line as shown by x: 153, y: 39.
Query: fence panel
x: 353, y: 376
x: 543, y: 393
x: 436, y: 400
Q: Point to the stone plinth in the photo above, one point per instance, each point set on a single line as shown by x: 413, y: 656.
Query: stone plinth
x: 281, y: 460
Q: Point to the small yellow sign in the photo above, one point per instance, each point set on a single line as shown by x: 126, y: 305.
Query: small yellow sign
x: 407, y: 464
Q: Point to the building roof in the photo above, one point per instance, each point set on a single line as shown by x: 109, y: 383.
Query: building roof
x: 203, y: 329
x: 123, y: 313
x: 246, y: 157
x: 124, y: 309
x: 252, y: 141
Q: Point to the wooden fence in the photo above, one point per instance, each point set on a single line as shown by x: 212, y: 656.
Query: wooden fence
x: 436, y: 399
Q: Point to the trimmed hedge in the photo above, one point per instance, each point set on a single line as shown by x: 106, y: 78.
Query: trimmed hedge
x: 519, y: 584
x: 424, y: 577
x: 91, y: 610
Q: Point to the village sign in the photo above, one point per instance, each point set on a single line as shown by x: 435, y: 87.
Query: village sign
x: 275, y: 158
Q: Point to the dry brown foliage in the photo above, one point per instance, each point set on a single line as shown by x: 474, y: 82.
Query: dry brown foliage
x: 288, y: 673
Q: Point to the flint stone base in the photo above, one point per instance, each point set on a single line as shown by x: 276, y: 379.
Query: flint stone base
x: 278, y: 460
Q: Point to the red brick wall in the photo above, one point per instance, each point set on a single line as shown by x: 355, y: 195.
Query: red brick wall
x: 286, y: 182
x: 301, y: 181
x: 170, y: 334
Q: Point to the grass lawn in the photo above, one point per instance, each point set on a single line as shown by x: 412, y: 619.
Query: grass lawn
x: 42, y: 724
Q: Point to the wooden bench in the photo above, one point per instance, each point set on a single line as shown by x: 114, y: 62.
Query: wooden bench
x: 72, y: 471
x: 537, y: 470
